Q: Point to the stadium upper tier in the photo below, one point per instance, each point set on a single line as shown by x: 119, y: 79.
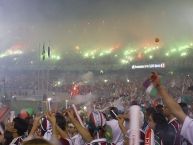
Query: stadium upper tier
x: 103, y: 59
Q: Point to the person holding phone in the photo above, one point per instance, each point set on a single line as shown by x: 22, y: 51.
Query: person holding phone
x: 20, y: 128
x: 113, y: 123
x: 95, y: 133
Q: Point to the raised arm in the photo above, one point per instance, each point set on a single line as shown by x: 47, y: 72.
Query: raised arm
x: 62, y: 133
x: 35, y: 125
x: 52, y: 119
x: 83, y: 131
x: 123, y: 130
x: 169, y: 101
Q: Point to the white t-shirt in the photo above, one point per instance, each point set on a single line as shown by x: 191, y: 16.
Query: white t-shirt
x: 117, y: 134
x: 77, y: 140
x: 187, y: 129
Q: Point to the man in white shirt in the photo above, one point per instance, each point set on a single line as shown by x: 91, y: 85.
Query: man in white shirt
x: 75, y: 137
x: 116, y: 131
x: 187, y: 129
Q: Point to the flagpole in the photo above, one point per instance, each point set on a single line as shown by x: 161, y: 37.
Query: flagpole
x: 48, y: 71
x: 39, y: 59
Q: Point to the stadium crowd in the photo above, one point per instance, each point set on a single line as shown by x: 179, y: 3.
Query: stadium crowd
x: 108, y: 120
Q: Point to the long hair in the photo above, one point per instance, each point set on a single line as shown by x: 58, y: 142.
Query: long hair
x: 61, y: 121
x: 162, y: 129
x: 37, y: 141
x: 20, y: 125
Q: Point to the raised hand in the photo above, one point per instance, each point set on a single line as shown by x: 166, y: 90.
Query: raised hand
x: 121, y: 120
x: 51, y: 117
x: 155, y: 78
x: 35, y: 126
x: 70, y: 114
x: 36, y: 121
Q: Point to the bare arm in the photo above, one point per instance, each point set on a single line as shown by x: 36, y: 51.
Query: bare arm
x: 35, y: 126
x: 169, y: 101
x: 123, y: 130
x: 83, y: 131
x: 172, y: 105
x: 122, y: 127
x: 62, y: 133
x: 52, y: 119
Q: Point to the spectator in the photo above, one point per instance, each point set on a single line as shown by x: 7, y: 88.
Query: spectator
x: 37, y: 141
x: 61, y: 129
x: 185, y: 108
x: 163, y: 133
x: 159, y: 108
x: 174, y: 123
x: 21, y: 128
x: 126, y: 131
x: 95, y: 134
x: 148, y: 112
x: 113, y: 123
x: 75, y: 137
x: 174, y: 107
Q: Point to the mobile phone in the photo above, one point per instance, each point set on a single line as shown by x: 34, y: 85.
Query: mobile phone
x: 114, y: 113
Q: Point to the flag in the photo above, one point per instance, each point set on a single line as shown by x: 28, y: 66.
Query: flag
x: 49, y: 51
x: 150, y: 89
x: 43, y: 52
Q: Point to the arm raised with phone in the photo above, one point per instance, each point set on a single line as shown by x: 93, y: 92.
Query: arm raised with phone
x: 82, y: 130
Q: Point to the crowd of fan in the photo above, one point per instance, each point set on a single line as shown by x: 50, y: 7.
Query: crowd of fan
x: 104, y: 86
x: 168, y: 124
